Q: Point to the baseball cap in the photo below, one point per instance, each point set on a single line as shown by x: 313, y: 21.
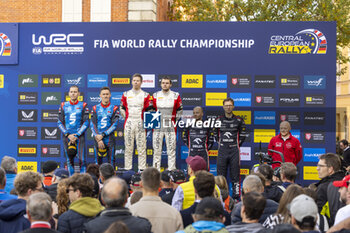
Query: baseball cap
x: 196, y: 163
x: 210, y: 207
x: 303, y: 206
x: 125, y: 175
x: 343, y: 182
x: 62, y: 173
x: 165, y: 176
x: 136, y: 178
x: 176, y: 175
x: 49, y: 166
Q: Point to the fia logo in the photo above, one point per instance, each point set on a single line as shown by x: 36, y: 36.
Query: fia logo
x: 151, y: 120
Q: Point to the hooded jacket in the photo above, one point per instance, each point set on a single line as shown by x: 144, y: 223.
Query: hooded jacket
x: 205, y: 226
x: 12, y: 219
x: 80, y: 211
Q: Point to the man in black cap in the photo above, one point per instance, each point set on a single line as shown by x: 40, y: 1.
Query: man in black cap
x: 165, y: 183
x: 176, y: 177
x: 58, y: 175
x: 209, y: 216
x: 135, y: 186
x: 49, y: 168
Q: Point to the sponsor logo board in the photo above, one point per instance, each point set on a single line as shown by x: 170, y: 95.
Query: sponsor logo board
x: 291, y: 117
x: 184, y: 152
x: 263, y: 135
x: 314, y: 100
x: 192, y: 81
x: 242, y: 99
x: 116, y: 98
x: 74, y: 79
x: 24, y: 166
x: 27, y: 98
x: 50, y: 150
x: 148, y: 81
x: 313, y: 154
x: 314, y: 118
x: 310, y: 173
x: 314, y: 82
x: 245, y: 115
x: 216, y: 81
x: 264, y: 99
x: 289, y: 81
x: 50, y: 98
x: 214, y: 99
x: 49, y: 115
x: 27, y: 115
x: 245, y: 153
x: 51, y: 80
x: 314, y: 136
x: 97, y: 80
x: 192, y: 99
x: 27, y: 133
x: 121, y: 80
x: 264, y: 117
x: 265, y: 81
x: 28, y: 80
x: 289, y: 100
x: 240, y: 81
x: 26, y: 150
x: 50, y: 133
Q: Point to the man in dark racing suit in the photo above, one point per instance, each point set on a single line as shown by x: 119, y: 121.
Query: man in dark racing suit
x: 230, y: 137
x: 198, y: 139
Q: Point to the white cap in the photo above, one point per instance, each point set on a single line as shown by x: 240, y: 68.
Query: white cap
x: 303, y: 206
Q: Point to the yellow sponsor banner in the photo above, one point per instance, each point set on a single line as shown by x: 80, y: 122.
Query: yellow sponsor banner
x: 245, y: 115
x: 310, y: 173
x: 120, y: 81
x: 284, y: 80
x: 23, y: 166
x: 149, y: 152
x: 22, y: 97
x: 91, y: 150
x: 308, y: 99
x: 192, y: 81
x: 57, y: 80
x: 215, y: 98
x: 1, y: 81
x: 292, y: 49
x: 45, y: 81
x: 244, y: 171
x: 213, y: 153
x: 263, y: 135
x: 26, y: 150
x: 80, y: 98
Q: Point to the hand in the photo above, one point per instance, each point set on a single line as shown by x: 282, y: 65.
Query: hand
x: 348, y: 168
x: 98, y: 137
x: 72, y: 138
x: 101, y: 145
x: 54, y: 208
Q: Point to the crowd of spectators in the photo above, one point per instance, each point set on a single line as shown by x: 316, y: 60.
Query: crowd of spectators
x: 103, y: 200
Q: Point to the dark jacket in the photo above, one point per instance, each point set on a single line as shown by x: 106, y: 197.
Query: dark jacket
x: 322, y: 187
x: 168, y: 198
x: 12, y: 218
x: 334, y: 202
x: 80, y: 212
x: 39, y: 230
x: 270, y: 208
x: 111, y: 215
x: 346, y: 157
x: 242, y: 227
x: 52, y: 191
x: 273, y: 192
x: 187, y: 219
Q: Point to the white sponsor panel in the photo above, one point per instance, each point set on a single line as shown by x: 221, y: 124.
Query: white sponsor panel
x: 245, y: 153
x: 148, y: 81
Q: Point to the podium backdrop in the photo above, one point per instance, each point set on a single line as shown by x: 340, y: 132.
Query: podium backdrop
x: 273, y: 70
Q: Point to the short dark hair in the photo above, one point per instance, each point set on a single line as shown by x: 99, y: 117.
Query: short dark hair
x: 105, y: 88
x: 111, y: 197
x: 254, y: 205
x: 289, y: 170
x: 167, y: 78
x: 332, y: 160
x: 228, y: 99
x: 204, y: 184
x: 308, y: 223
x: 2, y: 176
x: 75, y: 86
x: 266, y: 171
x: 345, y: 142
x: 106, y: 170
x: 150, y: 178
x: 93, y: 168
x: 137, y: 75
x: 82, y: 182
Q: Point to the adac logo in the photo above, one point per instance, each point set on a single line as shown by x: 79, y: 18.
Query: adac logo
x: 5, y: 45
x: 308, y: 41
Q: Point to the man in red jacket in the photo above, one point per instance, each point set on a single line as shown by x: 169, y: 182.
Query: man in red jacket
x: 287, y: 144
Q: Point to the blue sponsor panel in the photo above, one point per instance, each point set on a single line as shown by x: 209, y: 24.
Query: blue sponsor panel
x: 216, y: 81
x: 97, y: 80
x: 116, y: 98
x: 242, y: 99
x: 93, y: 98
x: 313, y: 154
x: 314, y: 82
x: 184, y: 152
x: 74, y: 79
x: 264, y: 117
